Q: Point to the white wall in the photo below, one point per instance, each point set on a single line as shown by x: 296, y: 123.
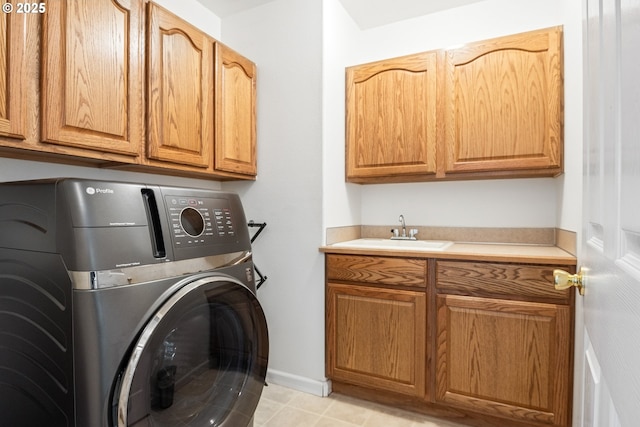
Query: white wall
x: 18, y: 170
x: 499, y: 203
x: 537, y: 202
x: 569, y: 185
x: 342, y: 201
x: 284, y: 39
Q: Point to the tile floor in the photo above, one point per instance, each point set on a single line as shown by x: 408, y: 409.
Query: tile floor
x: 284, y: 407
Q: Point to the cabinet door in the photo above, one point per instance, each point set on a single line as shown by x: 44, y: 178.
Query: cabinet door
x: 13, y: 74
x: 505, y: 358
x: 391, y: 118
x: 376, y: 338
x: 504, y: 105
x: 180, y: 91
x: 92, y: 75
x: 235, y: 146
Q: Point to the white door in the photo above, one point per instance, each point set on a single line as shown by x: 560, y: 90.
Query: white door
x: 609, y: 377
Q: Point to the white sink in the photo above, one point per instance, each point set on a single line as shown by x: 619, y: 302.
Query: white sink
x: 416, y: 245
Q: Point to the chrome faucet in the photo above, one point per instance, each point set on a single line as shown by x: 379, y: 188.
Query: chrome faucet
x: 403, y: 236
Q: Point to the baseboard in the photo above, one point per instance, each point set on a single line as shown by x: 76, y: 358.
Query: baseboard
x: 296, y: 382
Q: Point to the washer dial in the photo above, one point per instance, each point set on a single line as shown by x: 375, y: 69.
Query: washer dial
x: 192, y: 222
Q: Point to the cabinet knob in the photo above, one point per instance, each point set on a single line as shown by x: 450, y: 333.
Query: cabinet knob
x: 564, y: 280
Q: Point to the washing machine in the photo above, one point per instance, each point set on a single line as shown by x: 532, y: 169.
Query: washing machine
x: 127, y: 304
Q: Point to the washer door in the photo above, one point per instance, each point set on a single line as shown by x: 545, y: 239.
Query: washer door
x: 200, y: 361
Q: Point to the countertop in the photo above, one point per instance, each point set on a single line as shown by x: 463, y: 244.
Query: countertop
x: 497, y: 252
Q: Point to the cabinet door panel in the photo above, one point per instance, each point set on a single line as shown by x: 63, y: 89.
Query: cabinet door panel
x: 13, y: 74
x: 505, y: 358
x: 376, y: 338
x: 391, y: 117
x: 93, y: 69
x: 504, y: 104
x: 180, y: 107
x: 235, y: 113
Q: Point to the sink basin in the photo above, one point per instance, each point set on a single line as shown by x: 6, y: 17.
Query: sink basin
x: 416, y: 245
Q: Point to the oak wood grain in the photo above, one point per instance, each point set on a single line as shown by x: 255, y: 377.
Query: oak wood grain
x: 235, y: 143
x: 497, y: 337
x: 92, y: 59
x: 181, y: 85
x: 391, y: 117
x: 72, y: 91
x: 504, y: 104
x: 489, y: 109
x: 505, y: 358
x: 515, y: 281
x: 13, y: 74
x: 377, y: 270
x: 375, y: 337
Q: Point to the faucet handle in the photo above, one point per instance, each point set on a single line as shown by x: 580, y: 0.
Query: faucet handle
x: 413, y: 232
x: 395, y: 232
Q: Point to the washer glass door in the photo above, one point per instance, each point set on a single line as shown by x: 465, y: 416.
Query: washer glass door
x: 200, y: 361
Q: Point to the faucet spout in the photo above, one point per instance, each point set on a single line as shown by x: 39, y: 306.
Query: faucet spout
x: 396, y: 234
x: 404, y: 226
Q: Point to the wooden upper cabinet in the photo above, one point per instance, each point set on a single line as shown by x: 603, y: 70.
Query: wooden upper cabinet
x: 180, y: 91
x: 13, y: 73
x: 504, y: 105
x: 125, y: 84
x: 235, y: 144
x: 391, y: 117
x: 92, y: 59
x: 492, y: 108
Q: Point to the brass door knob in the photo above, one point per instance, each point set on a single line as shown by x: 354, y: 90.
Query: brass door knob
x: 564, y: 280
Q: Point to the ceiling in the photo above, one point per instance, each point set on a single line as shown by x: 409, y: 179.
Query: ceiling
x: 366, y: 13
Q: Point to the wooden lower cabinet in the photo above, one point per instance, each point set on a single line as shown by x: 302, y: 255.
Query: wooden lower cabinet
x: 487, y: 344
x: 505, y: 358
x: 375, y: 337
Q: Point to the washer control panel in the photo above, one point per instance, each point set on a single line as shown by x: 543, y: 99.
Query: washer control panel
x: 199, y: 220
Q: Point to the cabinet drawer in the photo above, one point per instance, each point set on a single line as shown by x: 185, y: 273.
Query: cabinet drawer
x: 377, y: 270
x: 523, y: 282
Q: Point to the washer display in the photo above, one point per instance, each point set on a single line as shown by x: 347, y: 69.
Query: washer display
x: 200, y: 220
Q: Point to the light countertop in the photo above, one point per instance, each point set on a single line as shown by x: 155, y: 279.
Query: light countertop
x: 497, y: 252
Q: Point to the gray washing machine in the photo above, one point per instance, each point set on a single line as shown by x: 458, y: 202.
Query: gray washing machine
x: 127, y: 305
